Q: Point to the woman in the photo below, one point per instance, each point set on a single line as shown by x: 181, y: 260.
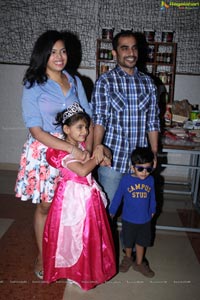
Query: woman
x: 48, y: 89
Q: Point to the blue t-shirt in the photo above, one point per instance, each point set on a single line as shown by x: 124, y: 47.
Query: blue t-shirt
x: 41, y: 103
x: 138, y: 198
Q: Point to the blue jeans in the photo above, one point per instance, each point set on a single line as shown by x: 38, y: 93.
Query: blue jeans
x: 109, y: 179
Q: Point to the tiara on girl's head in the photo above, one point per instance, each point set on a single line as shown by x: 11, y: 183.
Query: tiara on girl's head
x: 71, y: 110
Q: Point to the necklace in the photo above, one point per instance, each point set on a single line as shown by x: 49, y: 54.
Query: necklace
x: 61, y: 83
x: 63, y: 80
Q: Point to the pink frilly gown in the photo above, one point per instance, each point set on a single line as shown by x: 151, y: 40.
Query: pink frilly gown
x: 77, y: 243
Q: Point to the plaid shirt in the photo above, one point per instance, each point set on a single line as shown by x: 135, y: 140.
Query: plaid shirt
x: 126, y: 106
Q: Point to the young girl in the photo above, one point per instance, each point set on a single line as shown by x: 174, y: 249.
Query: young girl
x: 77, y: 243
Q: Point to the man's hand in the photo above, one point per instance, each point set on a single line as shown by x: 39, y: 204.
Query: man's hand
x: 155, y: 161
x: 102, y: 155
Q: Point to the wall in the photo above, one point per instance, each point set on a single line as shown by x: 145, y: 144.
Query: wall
x: 12, y: 131
x: 187, y: 87
x: 28, y: 19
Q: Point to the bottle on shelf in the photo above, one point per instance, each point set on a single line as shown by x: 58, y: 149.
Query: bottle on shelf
x: 104, y: 68
x: 164, y: 65
x: 161, y: 61
x: 169, y: 77
x: 168, y: 115
x: 151, y: 53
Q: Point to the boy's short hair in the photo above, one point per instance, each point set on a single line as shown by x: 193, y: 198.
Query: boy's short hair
x: 142, y: 155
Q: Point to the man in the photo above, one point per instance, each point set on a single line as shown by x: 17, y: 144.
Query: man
x: 125, y: 111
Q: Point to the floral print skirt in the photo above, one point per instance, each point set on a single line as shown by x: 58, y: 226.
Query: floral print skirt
x: 36, y: 179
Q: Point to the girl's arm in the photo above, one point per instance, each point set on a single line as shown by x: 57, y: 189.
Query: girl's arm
x: 82, y: 168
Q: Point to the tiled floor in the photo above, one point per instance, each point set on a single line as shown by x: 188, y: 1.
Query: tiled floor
x: 174, y: 257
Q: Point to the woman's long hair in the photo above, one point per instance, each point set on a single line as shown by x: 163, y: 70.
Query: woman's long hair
x: 36, y: 72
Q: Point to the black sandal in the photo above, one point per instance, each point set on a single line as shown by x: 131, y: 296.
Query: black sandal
x: 39, y: 273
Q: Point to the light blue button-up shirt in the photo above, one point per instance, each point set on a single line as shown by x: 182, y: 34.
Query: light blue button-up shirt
x: 41, y: 103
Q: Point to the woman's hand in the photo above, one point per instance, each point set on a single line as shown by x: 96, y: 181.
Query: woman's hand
x: 87, y: 155
x: 79, y: 154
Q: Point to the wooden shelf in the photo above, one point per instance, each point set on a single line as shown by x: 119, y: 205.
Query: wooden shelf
x: 162, y: 65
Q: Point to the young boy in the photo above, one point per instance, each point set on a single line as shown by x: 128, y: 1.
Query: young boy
x: 139, y: 206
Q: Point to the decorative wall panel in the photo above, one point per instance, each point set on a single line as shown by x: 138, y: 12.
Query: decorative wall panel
x: 22, y: 21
